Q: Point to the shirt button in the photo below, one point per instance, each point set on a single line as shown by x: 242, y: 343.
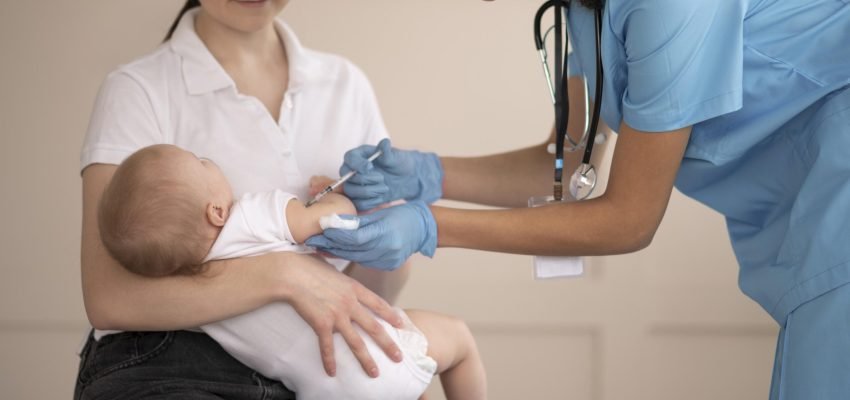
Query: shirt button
x: 287, y: 102
x: 286, y: 152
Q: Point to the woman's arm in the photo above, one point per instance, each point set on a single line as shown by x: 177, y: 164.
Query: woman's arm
x: 118, y: 299
x: 330, y: 302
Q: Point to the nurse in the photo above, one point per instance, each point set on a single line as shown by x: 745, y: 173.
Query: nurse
x: 742, y: 105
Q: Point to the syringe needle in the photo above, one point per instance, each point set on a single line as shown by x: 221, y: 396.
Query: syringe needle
x: 331, y: 187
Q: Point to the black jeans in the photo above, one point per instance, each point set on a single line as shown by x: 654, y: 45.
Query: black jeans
x: 168, y: 365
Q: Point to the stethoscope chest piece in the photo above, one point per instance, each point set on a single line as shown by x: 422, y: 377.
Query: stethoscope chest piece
x: 583, y: 181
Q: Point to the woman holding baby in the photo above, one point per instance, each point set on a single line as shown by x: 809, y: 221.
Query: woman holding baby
x: 230, y: 84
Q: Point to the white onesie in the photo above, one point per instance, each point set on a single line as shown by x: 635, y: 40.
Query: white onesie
x: 276, y: 342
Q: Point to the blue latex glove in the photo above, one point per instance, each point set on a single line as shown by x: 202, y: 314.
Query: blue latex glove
x: 385, y: 239
x: 395, y: 175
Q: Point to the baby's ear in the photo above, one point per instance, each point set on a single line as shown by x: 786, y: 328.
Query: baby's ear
x: 217, y: 214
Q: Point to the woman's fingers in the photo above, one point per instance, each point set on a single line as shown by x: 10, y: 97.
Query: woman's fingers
x: 331, y: 302
x: 358, y: 347
x: 380, y: 307
x: 326, y: 348
x: 376, y: 331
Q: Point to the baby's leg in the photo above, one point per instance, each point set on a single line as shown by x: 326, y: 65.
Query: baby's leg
x: 451, y: 345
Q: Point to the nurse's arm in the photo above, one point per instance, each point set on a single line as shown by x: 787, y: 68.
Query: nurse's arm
x: 622, y: 220
x: 509, y: 179
x: 329, y: 301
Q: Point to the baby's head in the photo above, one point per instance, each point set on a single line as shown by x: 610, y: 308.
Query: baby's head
x: 163, y: 210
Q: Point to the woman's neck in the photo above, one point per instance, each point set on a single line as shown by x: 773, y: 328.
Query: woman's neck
x: 233, y: 48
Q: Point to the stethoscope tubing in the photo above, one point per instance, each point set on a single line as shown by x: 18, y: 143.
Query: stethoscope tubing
x: 559, y: 93
x: 597, y: 99
x: 560, y: 99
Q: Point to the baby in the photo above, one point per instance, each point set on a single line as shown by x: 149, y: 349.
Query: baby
x: 167, y: 212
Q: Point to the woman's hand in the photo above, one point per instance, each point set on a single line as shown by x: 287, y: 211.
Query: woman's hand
x: 331, y: 302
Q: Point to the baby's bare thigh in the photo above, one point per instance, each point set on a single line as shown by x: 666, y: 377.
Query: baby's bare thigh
x: 449, y: 338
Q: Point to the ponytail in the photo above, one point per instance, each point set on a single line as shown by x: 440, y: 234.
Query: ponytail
x: 593, y: 4
x: 190, y: 4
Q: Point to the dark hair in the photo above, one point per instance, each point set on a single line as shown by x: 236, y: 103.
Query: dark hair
x: 190, y: 4
x: 593, y: 4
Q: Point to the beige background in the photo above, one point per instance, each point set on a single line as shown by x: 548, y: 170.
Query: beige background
x: 453, y: 76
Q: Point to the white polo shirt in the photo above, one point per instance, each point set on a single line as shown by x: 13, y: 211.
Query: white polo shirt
x: 180, y: 94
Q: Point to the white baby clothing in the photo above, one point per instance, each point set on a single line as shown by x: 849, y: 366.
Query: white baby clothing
x: 256, y: 225
x: 276, y: 342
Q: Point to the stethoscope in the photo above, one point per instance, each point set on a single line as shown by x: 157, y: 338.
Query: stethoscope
x: 583, y: 181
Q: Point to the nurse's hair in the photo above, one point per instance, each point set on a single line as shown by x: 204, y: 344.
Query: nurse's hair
x: 593, y: 4
x: 190, y: 4
x: 151, y: 219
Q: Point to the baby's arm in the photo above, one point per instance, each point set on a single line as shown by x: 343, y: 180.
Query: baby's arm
x: 304, y: 221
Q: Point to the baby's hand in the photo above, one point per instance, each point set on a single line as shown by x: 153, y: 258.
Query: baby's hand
x: 319, y: 183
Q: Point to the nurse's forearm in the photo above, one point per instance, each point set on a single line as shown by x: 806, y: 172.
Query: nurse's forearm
x: 505, y: 180
x: 621, y: 220
x: 587, y: 228
x: 509, y: 179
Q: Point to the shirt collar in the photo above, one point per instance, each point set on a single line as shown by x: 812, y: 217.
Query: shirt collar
x: 305, y: 66
x: 203, y: 74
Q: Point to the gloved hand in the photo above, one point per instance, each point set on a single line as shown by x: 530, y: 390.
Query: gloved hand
x: 395, y: 175
x: 385, y: 239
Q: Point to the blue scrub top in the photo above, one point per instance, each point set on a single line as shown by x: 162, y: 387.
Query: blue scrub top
x: 763, y: 83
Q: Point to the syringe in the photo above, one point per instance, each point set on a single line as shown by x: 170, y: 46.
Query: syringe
x: 331, y: 187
